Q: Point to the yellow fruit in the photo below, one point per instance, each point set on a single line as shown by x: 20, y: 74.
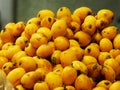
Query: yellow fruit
x: 15, y: 75
x: 115, y: 86
x: 73, y: 43
x: 83, y: 38
x: 82, y: 12
x: 61, y: 43
x: 116, y: 41
x: 3, y: 60
x: 105, y: 45
x: 30, y: 29
x: 92, y: 50
x: 103, y: 56
x: 102, y: 23
x: 47, y: 21
x: 99, y: 88
x: 67, y: 56
x: 89, y: 25
x: 89, y: 59
x: 20, y: 87
x: 30, y: 50
x: 58, y: 69
x: 34, y: 20
x: 28, y: 80
x: 105, y: 13
x: 41, y: 86
x: 7, y: 67
x: 97, y: 37
x: 19, y: 28
x: 108, y: 73
x: 46, y: 32
x: 7, y: 45
x: 44, y: 51
x: 55, y: 57
x: 110, y: 32
x: 114, y: 64
x: 80, y: 67
x: 62, y: 12
x: 21, y: 41
x: 104, y: 83
x: 69, y: 75
x: 45, y: 12
x: 115, y: 52
x: 45, y: 64
x: 12, y: 50
x: 59, y: 28
x: 74, y: 26
x: 27, y: 62
x: 83, y: 82
x: 53, y: 80
x: 69, y: 33
x: 37, y: 39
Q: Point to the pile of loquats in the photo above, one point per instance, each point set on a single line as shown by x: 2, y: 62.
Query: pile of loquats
x: 66, y: 50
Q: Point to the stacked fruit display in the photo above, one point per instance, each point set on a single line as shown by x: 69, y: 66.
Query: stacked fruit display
x: 66, y: 50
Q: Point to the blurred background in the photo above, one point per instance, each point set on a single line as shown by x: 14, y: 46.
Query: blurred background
x: 23, y: 10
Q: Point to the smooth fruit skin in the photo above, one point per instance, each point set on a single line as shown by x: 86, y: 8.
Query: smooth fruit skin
x: 41, y: 86
x: 83, y: 82
x: 53, y: 80
x: 115, y: 86
x: 69, y: 74
x: 15, y: 76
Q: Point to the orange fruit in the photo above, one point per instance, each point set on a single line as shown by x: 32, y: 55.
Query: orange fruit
x: 38, y: 39
x: 69, y: 74
x: 46, y: 32
x: 30, y: 29
x: 53, y: 80
x: 3, y: 60
x: 83, y: 38
x: 18, y: 55
x: 74, y: 26
x: 73, y: 43
x: 59, y: 28
x: 83, y: 82
x: 89, y: 25
x: 104, y: 83
x: 87, y: 59
x: 67, y: 56
x: 41, y: 86
x: 82, y: 12
x: 105, y: 13
x: 103, y: 56
x: 44, y: 51
x: 7, y: 45
x: 47, y: 21
x: 92, y: 50
x: 102, y: 23
x: 45, y: 12
x: 110, y: 32
x: 69, y: 33
x: 21, y: 41
x: 116, y: 41
x: 114, y: 52
x: 12, y: 50
x: 45, y: 64
x: 105, y: 45
x: 27, y: 62
x: 114, y: 64
x: 34, y: 20
x: 61, y: 43
x: 30, y: 50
